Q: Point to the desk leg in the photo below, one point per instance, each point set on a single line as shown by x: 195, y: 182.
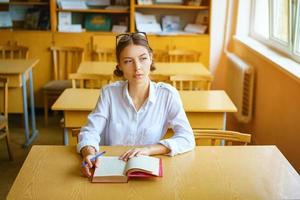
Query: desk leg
x: 29, y: 138
x: 66, y: 136
x: 224, y: 122
x: 224, y: 128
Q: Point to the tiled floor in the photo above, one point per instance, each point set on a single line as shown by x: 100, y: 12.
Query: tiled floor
x: 50, y: 134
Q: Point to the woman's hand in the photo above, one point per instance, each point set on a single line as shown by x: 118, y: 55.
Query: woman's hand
x: 153, y: 149
x: 146, y: 151
x: 87, y: 153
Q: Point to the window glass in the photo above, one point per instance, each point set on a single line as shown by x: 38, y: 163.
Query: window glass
x: 261, y: 18
x: 280, y: 20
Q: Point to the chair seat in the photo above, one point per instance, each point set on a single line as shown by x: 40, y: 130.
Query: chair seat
x: 58, y: 85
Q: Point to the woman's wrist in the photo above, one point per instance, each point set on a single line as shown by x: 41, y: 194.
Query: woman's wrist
x: 88, y: 150
x: 155, y: 149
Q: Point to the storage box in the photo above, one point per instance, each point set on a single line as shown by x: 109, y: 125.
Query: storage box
x: 97, y: 22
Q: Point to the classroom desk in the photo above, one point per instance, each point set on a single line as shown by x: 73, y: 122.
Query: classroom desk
x: 17, y: 71
x: 219, y: 172
x: 205, y: 109
x: 107, y: 68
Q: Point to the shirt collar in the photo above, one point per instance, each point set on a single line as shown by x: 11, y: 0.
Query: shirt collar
x: 152, y: 92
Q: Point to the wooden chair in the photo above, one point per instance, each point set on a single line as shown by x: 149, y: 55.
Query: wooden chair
x: 75, y: 132
x: 13, y: 52
x: 160, y: 78
x: 89, y: 80
x: 191, y: 82
x: 65, y: 61
x: 4, y: 132
x: 182, y: 55
x: 102, y: 54
x: 215, y: 136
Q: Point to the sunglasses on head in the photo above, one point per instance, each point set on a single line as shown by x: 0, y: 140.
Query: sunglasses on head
x: 124, y: 37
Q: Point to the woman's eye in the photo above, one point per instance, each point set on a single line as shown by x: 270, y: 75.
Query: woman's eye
x: 144, y: 58
x: 127, y: 61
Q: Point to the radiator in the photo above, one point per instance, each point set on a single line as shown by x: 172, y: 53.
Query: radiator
x: 239, y: 86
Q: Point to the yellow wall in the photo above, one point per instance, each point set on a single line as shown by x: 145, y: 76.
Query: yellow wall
x: 276, y: 118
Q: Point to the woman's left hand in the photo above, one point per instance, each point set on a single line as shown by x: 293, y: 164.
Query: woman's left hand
x: 135, y: 152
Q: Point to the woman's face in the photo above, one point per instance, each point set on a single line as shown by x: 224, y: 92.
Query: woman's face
x: 135, y: 62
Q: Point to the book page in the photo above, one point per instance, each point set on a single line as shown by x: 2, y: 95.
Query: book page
x: 145, y: 163
x: 110, y: 166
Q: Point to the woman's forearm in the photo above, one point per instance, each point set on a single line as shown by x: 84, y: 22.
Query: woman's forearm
x: 155, y: 149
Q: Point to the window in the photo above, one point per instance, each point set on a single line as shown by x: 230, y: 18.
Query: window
x: 261, y: 18
x: 276, y: 23
x: 297, y: 32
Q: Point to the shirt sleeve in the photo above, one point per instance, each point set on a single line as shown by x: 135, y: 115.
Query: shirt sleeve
x: 183, y: 139
x: 90, y: 134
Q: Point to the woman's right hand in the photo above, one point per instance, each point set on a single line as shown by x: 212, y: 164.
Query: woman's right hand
x: 87, y: 169
x: 87, y: 153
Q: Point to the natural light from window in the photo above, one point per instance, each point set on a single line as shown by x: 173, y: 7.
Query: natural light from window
x: 276, y: 23
x: 280, y: 20
x: 261, y: 18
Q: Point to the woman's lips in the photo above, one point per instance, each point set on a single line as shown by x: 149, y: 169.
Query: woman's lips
x: 138, y: 76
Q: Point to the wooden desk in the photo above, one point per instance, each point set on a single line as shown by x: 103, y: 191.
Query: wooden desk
x: 205, y: 109
x: 220, y: 172
x: 107, y: 68
x: 17, y: 72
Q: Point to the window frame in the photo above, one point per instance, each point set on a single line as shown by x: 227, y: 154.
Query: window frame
x: 297, y: 30
x: 288, y: 49
x: 287, y: 46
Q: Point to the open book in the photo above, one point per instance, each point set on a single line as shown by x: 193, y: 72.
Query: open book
x: 112, y: 169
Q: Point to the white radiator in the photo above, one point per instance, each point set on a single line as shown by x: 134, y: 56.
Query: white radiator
x: 239, y: 86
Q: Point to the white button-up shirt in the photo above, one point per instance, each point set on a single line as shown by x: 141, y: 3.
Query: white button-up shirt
x: 115, y: 120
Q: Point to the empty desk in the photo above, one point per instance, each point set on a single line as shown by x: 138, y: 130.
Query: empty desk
x: 17, y: 72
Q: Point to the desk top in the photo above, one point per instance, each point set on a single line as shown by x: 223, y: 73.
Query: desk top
x: 207, y: 101
x: 17, y: 66
x: 77, y: 99
x: 107, y: 68
x: 193, y: 101
x: 225, y: 172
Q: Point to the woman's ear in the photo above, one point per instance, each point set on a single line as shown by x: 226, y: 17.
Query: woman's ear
x: 118, y: 67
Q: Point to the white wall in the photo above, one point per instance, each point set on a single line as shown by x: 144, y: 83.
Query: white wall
x: 218, y: 16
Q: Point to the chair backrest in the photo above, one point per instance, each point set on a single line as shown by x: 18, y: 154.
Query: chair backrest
x: 13, y: 52
x: 182, y: 55
x: 89, y: 80
x: 66, y: 60
x: 4, y: 88
x: 160, y: 78
x: 104, y: 54
x: 191, y: 82
x: 215, y: 136
x: 160, y: 55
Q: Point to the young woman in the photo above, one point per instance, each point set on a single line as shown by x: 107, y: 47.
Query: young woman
x: 135, y: 112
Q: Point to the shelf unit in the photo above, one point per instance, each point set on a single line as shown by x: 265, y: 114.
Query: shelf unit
x: 113, y: 13
x: 157, y: 9
x: 40, y: 6
x: 183, y: 10
x: 186, y: 12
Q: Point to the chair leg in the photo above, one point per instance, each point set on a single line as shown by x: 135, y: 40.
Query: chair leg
x: 46, y: 108
x: 11, y: 157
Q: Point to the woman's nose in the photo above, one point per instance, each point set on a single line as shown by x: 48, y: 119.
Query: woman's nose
x: 137, y: 65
